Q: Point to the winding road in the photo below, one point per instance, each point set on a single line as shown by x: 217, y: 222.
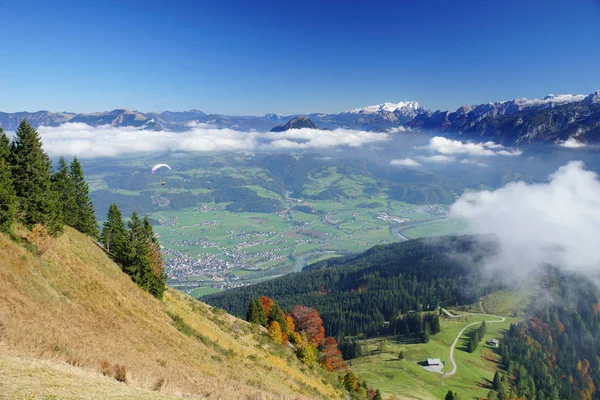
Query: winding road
x: 454, y: 366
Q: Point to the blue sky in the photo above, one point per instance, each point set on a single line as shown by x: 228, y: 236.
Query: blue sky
x: 254, y: 57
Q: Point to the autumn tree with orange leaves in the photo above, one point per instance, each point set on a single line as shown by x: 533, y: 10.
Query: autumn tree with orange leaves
x: 309, y: 321
x: 267, y: 304
x: 331, y: 356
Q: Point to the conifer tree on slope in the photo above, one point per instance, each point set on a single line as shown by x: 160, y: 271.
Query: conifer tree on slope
x: 141, y: 269
x: 63, y: 185
x: 256, y: 314
x: 8, y: 204
x: 4, y: 146
x: 85, y: 219
x: 140, y: 260
x: 30, y: 167
x: 115, y: 237
x: 8, y: 200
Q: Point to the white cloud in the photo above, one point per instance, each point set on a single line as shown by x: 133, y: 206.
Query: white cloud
x: 439, y: 158
x: 406, y: 162
x: 510, y: 153
x: 447, y: 146
x: 572, y: 143
x: 398, y: 129
x: 107, y: 141
x: 538, y: 224
x: 315, y: 138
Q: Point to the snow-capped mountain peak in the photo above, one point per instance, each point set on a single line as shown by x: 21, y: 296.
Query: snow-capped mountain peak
x: 403, y: 107
x: 551, y: 98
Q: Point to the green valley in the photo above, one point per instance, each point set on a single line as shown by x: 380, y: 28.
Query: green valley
x: 229, y: 220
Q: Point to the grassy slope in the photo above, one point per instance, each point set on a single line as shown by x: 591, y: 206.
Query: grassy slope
x: 73, y: 304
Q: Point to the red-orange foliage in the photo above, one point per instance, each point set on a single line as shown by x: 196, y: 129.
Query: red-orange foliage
x: 596, y: 309
x: 309, y: 321
x: 332, y: 358
x: 267, y: 304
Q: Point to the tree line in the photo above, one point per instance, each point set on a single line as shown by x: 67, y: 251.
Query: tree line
x: 476, y: 337
x: 32, y: 194
x: 136, y: 250
x: 372, y: 294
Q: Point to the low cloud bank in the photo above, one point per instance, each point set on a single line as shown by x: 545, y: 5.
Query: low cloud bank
x: 572, y: 143
x: 398, y: 129
x: 538, y: 224
x: 86, y: 141
x: 447, y: 146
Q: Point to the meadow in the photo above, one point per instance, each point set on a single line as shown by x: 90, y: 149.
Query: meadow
x: 407, y: 379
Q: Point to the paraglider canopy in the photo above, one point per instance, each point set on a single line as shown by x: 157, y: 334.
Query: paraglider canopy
x: 157, y: 166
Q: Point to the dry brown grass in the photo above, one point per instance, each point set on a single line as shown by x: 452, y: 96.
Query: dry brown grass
x: 72, y: 304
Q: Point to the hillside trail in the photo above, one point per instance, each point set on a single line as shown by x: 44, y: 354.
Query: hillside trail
x: 483, y: 313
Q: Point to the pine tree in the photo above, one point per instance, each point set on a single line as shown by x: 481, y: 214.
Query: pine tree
x: 8, y: 200
x: 425, y: 335
x: 435, y: 325
x: 262, y: 317
x: 252, y: 315
x: 63, y: 185
x: 449, y: 395
x: 496, y: 381
x: 115, y: 237
x: 277, y: 315
x: 139, y: 265
x: 472, y: 345
x: 377, y: 395
x: 85, y: 218
x: 4, y: 146
x: 30, y: 166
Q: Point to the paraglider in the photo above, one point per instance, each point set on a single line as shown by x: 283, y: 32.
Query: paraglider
x: 157, y: 167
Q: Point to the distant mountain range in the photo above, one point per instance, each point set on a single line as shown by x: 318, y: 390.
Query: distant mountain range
x: 520, y: 121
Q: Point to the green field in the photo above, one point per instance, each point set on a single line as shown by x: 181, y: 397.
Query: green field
x: 437, y: 228
x: 270, y: 241
x: 408, y: 380
x: 203, y: 291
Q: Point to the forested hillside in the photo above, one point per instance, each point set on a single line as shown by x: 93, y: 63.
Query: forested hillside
x: 555, y: 353
x: 356, y: 295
